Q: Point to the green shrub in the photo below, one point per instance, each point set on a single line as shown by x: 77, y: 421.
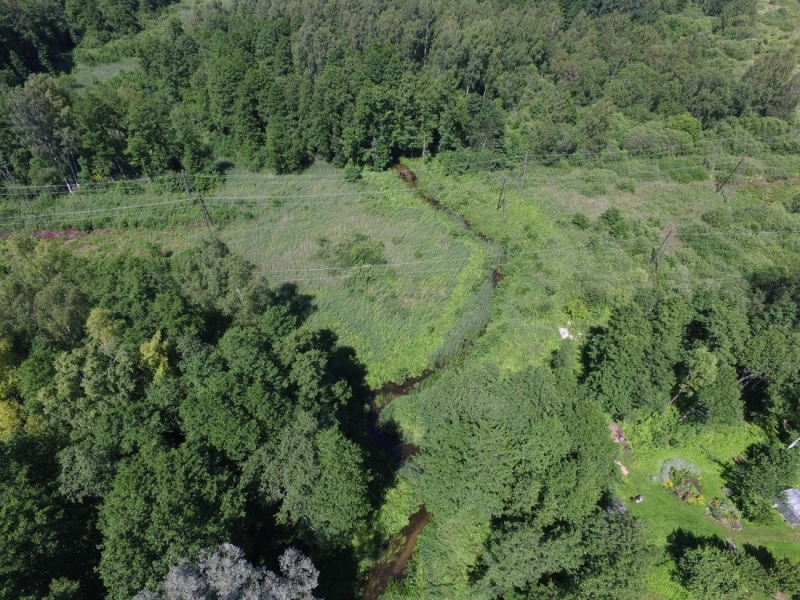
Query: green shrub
x: 576, y: 310
x: 646, y: 141
x: 613, y: 221
x: 686, y: 123
x: 737, y: 50
x: 794, y: 204
x: 626, y: 185
x: 356, y: 251
x: 581, y: 221
x: 352, y: 172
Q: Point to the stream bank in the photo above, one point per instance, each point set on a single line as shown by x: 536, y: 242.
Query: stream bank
x: 401, y: 546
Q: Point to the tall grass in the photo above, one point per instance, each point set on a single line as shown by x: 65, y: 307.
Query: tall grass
x: 397, y: 315
x: 401, y: 316
x: 565, y: 272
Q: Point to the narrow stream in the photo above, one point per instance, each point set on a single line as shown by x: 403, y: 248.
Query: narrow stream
x: 401, y: 546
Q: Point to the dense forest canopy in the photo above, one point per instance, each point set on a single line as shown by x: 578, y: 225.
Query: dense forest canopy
x: 173, y: 399
x: 276, y: 84
x: 173, y: 425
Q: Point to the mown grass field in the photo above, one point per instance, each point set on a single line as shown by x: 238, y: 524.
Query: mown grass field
x: 661, y: 513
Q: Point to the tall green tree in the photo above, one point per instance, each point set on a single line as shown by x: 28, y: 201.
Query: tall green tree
x: 709, y: 572
x: 43, y: 120
x: 768, y: 469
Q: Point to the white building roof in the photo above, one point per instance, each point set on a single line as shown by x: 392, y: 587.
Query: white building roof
x: 788, y: 504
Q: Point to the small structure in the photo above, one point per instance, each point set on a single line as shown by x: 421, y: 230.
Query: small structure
x: 616, y: 505
x: 788, y: 504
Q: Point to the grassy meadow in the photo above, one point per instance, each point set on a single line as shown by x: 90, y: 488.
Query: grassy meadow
x: 402, y: 316
x: 563, y: 271
x: 86, y: 76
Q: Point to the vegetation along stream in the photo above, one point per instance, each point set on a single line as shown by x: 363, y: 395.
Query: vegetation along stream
x: 401, y: 546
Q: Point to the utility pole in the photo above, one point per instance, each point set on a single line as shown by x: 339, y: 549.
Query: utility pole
x: 203, y: 209
x: 736, y: 170
x: 206, y: 215
x: 524, y: 166
x: 733, y: 185
x: 502, y: 192
x: 502, y: 199
x: 186, y: 185
x: 658, y: 253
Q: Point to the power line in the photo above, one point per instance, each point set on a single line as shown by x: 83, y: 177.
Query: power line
x: 275, y: 200
x: 655, y: 152
x: 613, y: 244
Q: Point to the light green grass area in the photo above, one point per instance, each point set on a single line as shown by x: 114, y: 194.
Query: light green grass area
x: 662, y: 513
x: 86, y: 76
x: 553, y: 265
x: 185, y: 8
x: 401, y: 317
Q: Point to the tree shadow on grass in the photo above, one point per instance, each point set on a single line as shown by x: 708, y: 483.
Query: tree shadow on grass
x: 681, y: 541
x: 761, y: 554
x: 301, y: 306
x: 339, y: 567
x: 221, y: 167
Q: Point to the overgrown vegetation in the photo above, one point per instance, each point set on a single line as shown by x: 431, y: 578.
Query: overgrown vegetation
x: 182, y: 405
x: 595, y: 220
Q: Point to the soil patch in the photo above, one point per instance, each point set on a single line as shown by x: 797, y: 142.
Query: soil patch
x: 618, y: 436
x: 50, y: 234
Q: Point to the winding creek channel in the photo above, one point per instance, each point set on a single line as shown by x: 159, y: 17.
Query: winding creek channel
x: 393, y: 563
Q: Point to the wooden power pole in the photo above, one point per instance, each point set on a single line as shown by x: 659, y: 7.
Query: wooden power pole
x: 502, y: 199
x: 206, y: 216
x: 656, y: 259
x: 524, y: 166
x: 735, y: 171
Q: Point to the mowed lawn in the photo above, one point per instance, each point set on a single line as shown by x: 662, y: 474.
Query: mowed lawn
x: 662, y: 513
